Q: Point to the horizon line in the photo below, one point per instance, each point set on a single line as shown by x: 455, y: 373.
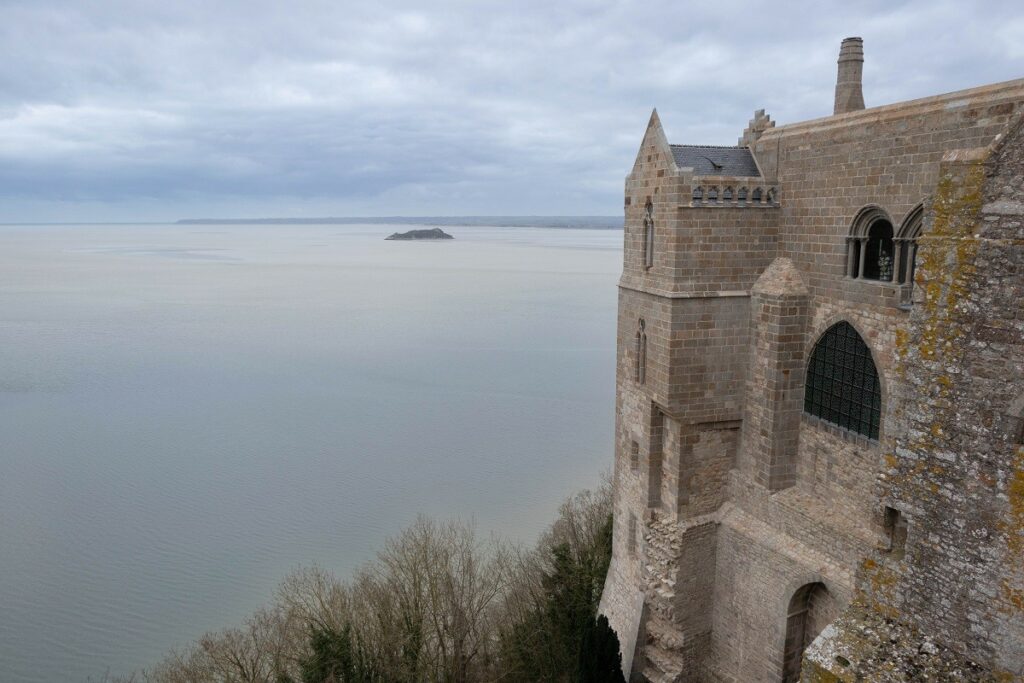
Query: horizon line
x: 314, y: 219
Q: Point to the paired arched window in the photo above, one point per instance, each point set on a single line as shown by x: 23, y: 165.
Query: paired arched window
x: 870, y: 249
x: 876, y: 252
x: 648, y: 235
x: 842, y: 382
x: 640, y: 353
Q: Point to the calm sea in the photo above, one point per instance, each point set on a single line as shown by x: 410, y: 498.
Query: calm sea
x: 189, y: 412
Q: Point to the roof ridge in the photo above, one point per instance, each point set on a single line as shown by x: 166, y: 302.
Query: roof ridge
x: 711, y: 146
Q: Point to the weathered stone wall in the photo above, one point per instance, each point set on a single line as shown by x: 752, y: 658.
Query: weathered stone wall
x: 954, y: 465
x: 758, y: 569
x: 829, y: 169
x: 736, y: 499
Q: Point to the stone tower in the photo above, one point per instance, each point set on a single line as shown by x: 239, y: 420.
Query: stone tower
x: 820, y: 395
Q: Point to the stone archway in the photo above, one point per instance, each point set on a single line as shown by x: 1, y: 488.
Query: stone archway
x: 810, y: 610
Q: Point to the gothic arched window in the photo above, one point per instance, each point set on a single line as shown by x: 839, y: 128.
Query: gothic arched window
x: 640, y: 353
x: 648, y: 235
x: 906, y: 245
x: 842, y: 382
x: 870, y: 246
x: 905, y: 257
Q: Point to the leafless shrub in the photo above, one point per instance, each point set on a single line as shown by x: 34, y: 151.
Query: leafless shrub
x: 430, y: 607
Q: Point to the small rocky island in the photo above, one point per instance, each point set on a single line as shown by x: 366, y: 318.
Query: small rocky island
x: 432, y: 234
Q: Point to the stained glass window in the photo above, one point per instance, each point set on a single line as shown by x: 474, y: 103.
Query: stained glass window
x: 842, y: 382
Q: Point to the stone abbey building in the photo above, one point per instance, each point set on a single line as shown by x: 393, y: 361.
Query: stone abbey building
x: 819, y: 470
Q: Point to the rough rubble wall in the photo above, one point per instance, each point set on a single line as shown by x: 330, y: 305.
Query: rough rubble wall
x: 950, y: 605
x: 678, y: 582
x: 712, y: 456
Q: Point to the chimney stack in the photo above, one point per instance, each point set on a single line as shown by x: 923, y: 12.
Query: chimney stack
x: 849, y: 95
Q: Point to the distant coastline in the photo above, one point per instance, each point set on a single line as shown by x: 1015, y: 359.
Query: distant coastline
x: 572, y: 222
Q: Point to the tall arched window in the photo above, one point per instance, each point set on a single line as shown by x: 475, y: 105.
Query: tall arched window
x: 842, y: 382
x: 878, y: 252
x: 648, y: 235
x: 810, y: 610
x: 906, y: 253
x: 906, y: 245
x: 870, y: 250
x: 640, y: 353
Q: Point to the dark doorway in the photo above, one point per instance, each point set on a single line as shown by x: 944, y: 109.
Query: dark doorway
x: 810, y: 610
x: 878, y: 263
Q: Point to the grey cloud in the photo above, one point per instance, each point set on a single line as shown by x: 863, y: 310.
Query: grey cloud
x: 408, y: 107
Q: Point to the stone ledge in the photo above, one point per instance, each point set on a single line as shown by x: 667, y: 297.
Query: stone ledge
x: 669, y: 294
x: 842, y: 432
x: 864, y: 646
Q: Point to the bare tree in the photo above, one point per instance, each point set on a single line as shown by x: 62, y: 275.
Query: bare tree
x: 431, y: 608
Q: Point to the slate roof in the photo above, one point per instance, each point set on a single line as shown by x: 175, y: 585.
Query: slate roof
x: 734, y: 161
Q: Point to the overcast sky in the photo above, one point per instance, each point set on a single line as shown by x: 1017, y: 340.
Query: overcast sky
x: 132, y: 110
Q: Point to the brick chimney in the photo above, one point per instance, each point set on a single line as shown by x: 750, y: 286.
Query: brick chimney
x: 849, y: 95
